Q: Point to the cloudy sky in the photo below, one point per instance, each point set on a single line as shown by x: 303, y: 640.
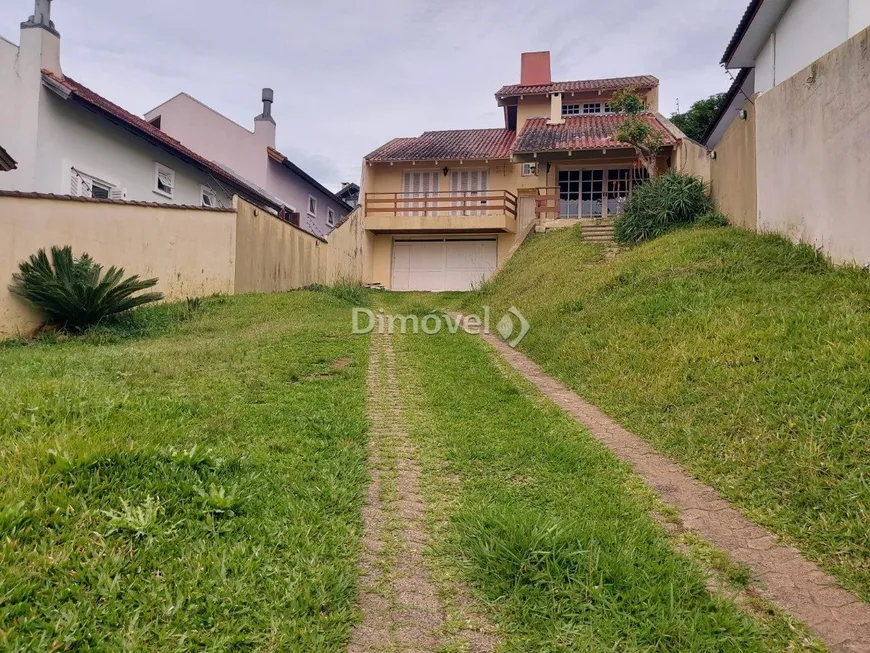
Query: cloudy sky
x: 351, y: 74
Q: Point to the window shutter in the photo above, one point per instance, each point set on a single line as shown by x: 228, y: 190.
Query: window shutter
x: 75, y: 184
x: 406, y: 190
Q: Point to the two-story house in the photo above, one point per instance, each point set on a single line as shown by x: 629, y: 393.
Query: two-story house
x: 253, y: 156
x: 447, y: 208
x: 69, y: 140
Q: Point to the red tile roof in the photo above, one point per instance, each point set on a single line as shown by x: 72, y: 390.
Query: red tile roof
x: 448, y: 145
x: 592, y: 132
x: 144, y: 128
x: 6, y: 160
x: 580, y: 86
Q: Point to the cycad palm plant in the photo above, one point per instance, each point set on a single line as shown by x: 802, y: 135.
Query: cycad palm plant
x: 73, y: 293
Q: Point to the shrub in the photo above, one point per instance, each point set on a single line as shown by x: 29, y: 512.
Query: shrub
x: 664, y: 203
x: 73, y: 293
x: 346, y: 291
x: 712, y: 219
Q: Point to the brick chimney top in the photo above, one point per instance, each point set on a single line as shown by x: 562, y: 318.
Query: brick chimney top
x: 535, y: 69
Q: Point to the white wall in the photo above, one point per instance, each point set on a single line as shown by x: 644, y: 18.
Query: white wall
x: 813, y: 145
x: 216, y: 137
x: 859, y: 16
x: 72, y: 136
x: 807, y: 30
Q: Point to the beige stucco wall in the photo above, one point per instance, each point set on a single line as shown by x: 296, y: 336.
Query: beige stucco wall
x: 349, y: 250
x: 813, y: 149
x: 692, y: 159
x: 733, y: 172
x: 273, y: 256
x: 191, y: 251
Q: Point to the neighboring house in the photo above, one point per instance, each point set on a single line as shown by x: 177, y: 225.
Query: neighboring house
x: 72, y: 141
x: 790, y: 142
x: 252, y: 156
x: 447, y: 208
x: 349, y: 193
x: 7, y: 163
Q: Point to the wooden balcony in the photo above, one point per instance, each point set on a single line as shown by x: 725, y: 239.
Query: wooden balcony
x: 457, y: 211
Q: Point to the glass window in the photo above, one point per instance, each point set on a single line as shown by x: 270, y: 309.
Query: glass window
x: 618, y: 188
x: 312, y: 205
x: 592, y: 107
x: 569, y: 193
x: 592, y: 194
x: 164, y: 182
x: 570, y: 109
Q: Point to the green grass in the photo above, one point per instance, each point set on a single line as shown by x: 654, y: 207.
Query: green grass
x: 745, y: 358
x: 188, y: 478
x: 547, y: 525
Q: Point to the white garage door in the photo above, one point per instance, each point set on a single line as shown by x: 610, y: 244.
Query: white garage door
x: 443, y: 264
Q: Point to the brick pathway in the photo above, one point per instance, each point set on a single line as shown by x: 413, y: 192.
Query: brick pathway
x: 400, y: 605
x: 837, y: 616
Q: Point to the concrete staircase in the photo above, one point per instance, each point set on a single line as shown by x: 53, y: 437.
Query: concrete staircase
x: 599, y: 231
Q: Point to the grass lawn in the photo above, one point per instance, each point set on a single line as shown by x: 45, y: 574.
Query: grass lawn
x: 196, y: 487
x: 548, y: 526
x: 743, y: 357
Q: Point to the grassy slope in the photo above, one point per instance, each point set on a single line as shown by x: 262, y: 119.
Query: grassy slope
x: 253, y: 544
x: 743, y: 357
x: 549, y: 526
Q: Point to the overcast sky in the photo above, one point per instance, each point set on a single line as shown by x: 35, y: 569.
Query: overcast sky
x: 350, y: 75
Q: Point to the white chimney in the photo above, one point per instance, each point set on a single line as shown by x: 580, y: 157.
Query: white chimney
x: 556, y: 110
x: 40, y: 41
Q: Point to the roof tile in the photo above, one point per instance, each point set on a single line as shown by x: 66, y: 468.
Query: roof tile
x: 577, y: 133
x: 581, y: 85
x: 141, y: 125
x: 448, y: 145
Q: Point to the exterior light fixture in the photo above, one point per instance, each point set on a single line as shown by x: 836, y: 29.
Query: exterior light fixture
x: 446, y: 171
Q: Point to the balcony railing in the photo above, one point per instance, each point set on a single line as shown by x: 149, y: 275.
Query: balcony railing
x: 442, y: 203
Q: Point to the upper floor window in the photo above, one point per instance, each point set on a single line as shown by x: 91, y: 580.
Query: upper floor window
x: 587, y: 108
x: 208, y: 198
x: 312, y: 205
x: 85, y: 185
x: 330, y: 216
x: 164, y: 180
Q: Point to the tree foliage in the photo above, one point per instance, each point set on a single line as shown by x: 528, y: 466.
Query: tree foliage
x: 635, y: 131
x: 73, y: 292
x: 699, y: 117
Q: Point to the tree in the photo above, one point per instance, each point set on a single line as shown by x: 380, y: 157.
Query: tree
x: 637, y: 132
x: 699, y: 117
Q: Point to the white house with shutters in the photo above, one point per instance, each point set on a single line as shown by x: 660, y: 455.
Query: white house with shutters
x: 68, y: 139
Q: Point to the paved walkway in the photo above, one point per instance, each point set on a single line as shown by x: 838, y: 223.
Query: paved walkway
x: 797, y: 585
x: 400, y: 604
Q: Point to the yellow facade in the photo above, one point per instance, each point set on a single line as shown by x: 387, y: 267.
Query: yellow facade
x: 388, y: 220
